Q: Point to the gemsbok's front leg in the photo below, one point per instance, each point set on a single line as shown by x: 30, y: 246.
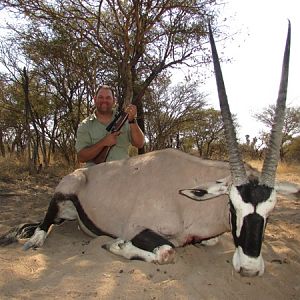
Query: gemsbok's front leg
x: 146, y: 246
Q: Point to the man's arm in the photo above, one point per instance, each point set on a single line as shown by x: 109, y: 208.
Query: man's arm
x: 137, y: 135
x: 90, y: 152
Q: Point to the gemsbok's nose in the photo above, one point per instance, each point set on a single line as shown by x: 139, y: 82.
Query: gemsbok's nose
x: 248, y: 273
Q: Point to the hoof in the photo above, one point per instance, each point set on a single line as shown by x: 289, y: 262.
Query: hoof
x: 36, y: 241
x: 164, y: 254
x: 210, y: 242
x: 116, y: 246
x: 27, y: 246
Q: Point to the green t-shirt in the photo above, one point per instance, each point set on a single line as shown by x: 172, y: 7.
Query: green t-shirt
x: 90, y: 131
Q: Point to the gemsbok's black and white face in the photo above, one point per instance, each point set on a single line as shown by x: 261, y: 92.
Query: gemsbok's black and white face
x: 251, y: 201
x: 250, y: 206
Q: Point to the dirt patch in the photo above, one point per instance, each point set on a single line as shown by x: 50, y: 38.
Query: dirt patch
x: 74, y: 266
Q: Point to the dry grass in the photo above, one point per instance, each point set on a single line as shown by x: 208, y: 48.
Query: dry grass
x: 285, y: 172
x: 12, y: 169
x: 15, y: 171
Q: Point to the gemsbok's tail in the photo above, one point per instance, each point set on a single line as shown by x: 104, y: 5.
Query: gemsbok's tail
x: 23, y: 231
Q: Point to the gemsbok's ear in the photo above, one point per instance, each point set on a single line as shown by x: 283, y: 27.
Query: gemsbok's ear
x: 287, y: 188
x: 207, y: 190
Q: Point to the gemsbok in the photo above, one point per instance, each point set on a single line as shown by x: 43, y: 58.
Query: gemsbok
x: 153, y: 203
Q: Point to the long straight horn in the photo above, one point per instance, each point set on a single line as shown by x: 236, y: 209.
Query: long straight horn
x: 272, y: 155
x: 237, y: 167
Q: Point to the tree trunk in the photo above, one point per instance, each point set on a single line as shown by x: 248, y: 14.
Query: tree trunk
x: 30, y: 161
x: 2, y: 148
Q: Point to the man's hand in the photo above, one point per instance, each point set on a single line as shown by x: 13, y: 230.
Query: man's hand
x: 132, y: 112
x: 111, y: 139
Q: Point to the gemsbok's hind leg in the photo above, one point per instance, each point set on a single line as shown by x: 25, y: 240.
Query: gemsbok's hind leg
x: 59, y: 210
x: 147, y: 246
x: 210, y: 242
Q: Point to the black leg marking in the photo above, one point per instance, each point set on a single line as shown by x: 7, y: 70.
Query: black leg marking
x: 136, y: 257
x: 84, y: 217
x: 148, y: 240
x: 51, y: 213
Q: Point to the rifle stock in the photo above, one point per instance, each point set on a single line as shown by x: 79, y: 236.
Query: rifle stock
x: 114, y: 126
x: 102, y: 156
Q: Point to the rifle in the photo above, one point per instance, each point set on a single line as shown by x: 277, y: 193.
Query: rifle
x: 115, y: 125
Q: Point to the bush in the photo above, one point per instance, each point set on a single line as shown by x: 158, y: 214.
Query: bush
x: 293, y: 151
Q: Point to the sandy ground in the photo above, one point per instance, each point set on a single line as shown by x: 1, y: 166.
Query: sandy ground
x: 74, y: 266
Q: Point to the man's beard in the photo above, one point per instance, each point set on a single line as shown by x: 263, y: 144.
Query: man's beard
x: 104, y: 110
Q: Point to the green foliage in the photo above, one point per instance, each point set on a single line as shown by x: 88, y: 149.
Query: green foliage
x: 135, y: 39
x: 70, y: 47
x: 291, y: 122
x: 291, y: 127
x: 292, y: 150
x: 167, y: 110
